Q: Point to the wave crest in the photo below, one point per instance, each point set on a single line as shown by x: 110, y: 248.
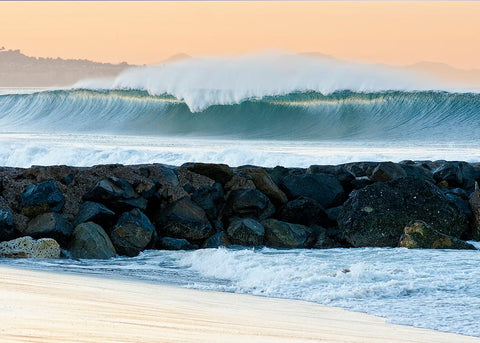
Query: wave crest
x: 202, y: 82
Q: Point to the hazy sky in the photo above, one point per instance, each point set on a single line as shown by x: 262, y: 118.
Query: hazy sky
x: 146, y: 32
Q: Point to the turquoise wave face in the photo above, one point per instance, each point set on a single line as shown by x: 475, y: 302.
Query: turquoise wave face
x: 344, y: 115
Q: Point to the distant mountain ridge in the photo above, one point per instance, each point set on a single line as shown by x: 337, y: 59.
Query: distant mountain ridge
x: 442, y: 71
x: 19, y: 70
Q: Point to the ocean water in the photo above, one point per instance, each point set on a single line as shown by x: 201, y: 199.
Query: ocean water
x: 435, y: 289
x: 268, y: 109
x: 87, y: 127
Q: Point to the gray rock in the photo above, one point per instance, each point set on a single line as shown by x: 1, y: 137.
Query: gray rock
x: 239, y: 181
x: 461, y: 204
x: 249, y: 203
x: 303, y: 210
x: 475, y: 207
x: 169, y: 243
x: 342, y: 174
x: 6, y: 225
x: 89, y: 240
x: 324, y: 188
x: 94, y: 212
x: 184, y: 219
x: 210, y: 199
x: 417, y: 170
x: 246, y: 231
x: 133, y: 233
x: 419, y: 235
x: 361, y: 169
x: 280, y: 234
x: 217, y: 172
x: 457, y: 174
x: 361, y: 182
x: 386, y: 171
x: 264, y: 183
x: 116, y: 194
x: 52, y: 225
x: 333, y: 213
x: 279, y: 173
x: 323, y: 240
x: 219, y: 239
x: 42, y: 197
x: 27, y: 247
x: 377, y: 214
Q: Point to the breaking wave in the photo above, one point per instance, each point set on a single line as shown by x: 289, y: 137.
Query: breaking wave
x: 308, y: 115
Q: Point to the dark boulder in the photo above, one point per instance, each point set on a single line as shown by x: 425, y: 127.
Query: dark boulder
x: 89, y: 240
x: 50, y: 225
x: 264, y: 183
x: 361, y: 169
x: 184, y: 219
x: 217, y: 172
x: 324, y: 188
x: 342, y: 174
x: 333, y: 214
x: 116, y: 194
x: 419, y: 235
x: 239, y: 181
x: 461, y: 204
x: 278, y: 173
x: 169, y: 243
x: 417, y: 170
x: 219, y: 239
x: 6, y: 225
x: 303, y: 210
x: 246, y: 231
x: 210, y: 199
x: 457, y: 174
x: 248, y: 203
x: 323, y: 239
x: 386, y: 171
x: 361, y: 182
x: 475, y: 207
x: 377, y: 214
x: 42, y: 197
x: 133, y: 233
x: 280, y: 234
x: 94, y: 212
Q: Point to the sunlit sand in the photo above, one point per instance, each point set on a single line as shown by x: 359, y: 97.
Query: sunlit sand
x: 48, y: 307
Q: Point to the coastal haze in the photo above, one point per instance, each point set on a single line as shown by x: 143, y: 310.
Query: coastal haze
x: 20, y: 70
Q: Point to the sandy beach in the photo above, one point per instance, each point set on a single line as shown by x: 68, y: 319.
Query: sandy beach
x: 52, y: 307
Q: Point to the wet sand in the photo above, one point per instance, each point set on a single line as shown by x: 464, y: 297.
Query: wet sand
x: 56, y: 307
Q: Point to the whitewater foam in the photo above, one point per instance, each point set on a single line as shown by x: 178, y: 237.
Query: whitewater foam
x: 436, y: 289
x: 25, y: 150
x: 206, y: 81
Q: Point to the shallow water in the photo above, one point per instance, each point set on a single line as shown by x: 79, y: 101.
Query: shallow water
x: 436, y: 289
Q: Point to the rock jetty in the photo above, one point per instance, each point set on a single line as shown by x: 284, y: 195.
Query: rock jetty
x: 108, y: 210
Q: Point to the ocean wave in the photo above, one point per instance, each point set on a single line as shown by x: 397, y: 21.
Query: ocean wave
x: 202, y: 82
x: 341, y: 115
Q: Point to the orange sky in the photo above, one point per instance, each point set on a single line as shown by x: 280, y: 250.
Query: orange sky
x: 147, y: 32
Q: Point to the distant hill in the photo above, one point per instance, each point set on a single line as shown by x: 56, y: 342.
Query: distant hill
x: 444, y: 72
x: 19, y: 70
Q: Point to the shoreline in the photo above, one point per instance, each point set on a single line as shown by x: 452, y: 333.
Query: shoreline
x: 57, y: 307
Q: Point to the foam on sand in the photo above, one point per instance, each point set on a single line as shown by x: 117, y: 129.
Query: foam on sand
x: 47, y: 307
